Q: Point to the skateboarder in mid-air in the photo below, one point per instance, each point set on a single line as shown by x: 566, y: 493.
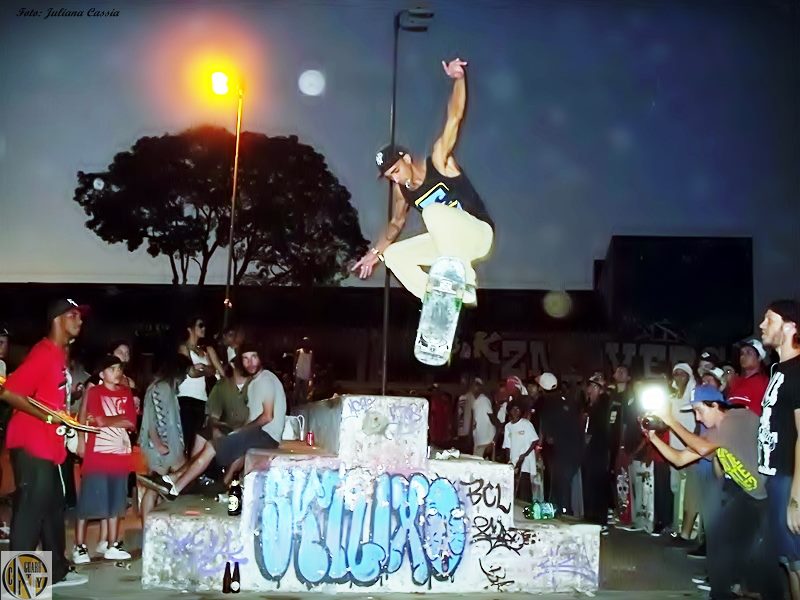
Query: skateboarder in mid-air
x: 453, y: 212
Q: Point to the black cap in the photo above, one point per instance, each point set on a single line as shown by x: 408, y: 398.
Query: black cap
x: 710, y: 357
x: 4, y: 331
x: 62, y: 305
x: 249, y: 347
x: 387, y: 156
x: 788, y: 310
x: 109, y: 360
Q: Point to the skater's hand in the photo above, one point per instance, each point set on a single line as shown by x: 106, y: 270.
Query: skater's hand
x: 793, y: 515
x: 455, y: 68
x: 364, y: 267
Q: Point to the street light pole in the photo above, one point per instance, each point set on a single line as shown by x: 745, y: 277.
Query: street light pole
x: 416, y: 18
x: 228, y: 303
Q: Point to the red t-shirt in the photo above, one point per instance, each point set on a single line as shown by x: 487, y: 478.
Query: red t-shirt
x: 43, y: 375
x: 749, y: 391
x: 110, y: 450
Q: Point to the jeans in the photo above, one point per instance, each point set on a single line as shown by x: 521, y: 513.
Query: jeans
x: 739, y: 546
x: 662, y: 496
x: 38, y: 509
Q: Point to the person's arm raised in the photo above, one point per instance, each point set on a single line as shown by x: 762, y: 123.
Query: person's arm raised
x: 442, y: 155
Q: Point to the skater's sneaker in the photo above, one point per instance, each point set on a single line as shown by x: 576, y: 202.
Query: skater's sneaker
x: 101, y: 547
x: 698, y: 553
x: 699, y: 579
x: 470, y: 297
x: 71, y: 579
x: 115, y: 552
x: 80, y: 555
x: 678, y: 541
x: 160, y: 483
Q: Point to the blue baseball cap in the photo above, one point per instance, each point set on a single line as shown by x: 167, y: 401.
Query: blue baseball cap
x: 705, y: 393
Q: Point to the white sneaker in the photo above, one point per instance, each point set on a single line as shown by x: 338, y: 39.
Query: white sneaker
x: 80, y: 555
x: 70, y: 579
x: 101, y: 548
x: 115, y: 552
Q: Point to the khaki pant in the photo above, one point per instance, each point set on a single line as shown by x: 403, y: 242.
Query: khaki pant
x: 451, y: 232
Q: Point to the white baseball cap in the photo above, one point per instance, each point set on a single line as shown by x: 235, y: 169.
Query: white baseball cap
x: 756, y: 345
x: 547, y: 381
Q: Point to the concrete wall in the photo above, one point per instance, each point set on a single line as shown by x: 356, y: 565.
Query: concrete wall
x: 380, y: 514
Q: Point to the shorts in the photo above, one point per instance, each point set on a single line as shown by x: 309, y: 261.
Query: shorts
x: 236, y: 445
x: 102, y: 496
x: 786, y: 543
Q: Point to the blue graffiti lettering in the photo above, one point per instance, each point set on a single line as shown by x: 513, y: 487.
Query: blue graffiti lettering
x: 340, y: 535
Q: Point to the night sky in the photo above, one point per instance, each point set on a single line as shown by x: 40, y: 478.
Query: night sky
x: 585, y: 119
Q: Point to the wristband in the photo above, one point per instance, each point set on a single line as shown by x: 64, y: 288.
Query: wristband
x: 377, y: 253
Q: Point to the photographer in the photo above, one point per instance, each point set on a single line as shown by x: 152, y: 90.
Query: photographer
x: 737, y: 537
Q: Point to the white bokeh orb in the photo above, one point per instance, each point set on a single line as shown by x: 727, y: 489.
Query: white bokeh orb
x: 98, y: 184
x: 311, y: 82
x: 557, y: 304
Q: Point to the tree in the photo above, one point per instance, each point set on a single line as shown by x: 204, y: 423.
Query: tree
x: 294, y: 221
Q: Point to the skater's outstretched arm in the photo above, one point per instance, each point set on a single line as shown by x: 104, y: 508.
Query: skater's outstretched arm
x: 442, y: 155
x: 364, y: 267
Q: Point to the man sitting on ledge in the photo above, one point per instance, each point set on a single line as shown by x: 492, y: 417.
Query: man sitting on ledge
x: 266, y: 402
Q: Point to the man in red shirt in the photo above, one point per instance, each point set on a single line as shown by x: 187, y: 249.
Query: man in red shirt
x: 748, y: 389
x: 37, y: 451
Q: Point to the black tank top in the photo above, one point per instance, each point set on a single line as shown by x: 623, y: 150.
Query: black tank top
x: 451, y: 191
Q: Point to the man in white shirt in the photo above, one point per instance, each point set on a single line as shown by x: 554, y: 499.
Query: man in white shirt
x: 520, y: 438
x: 483, y: 430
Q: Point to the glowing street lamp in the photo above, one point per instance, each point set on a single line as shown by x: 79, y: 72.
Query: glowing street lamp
x: 219, y: 84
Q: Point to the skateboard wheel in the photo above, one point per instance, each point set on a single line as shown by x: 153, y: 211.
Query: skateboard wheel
x: 70, y: 433
x: 61, y: 430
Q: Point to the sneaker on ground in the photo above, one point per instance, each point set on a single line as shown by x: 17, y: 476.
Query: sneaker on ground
x: 679, y: 541
x: 101, y: 547
x: 80, y: 555
x: 70, y: 579
x: 629, y: 528
x: 699, y: 579
x: 704, y: 587
x: 697, y: 553
x: 115, y: 552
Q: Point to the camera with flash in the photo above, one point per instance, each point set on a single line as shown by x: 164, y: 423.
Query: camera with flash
x: 653, y: 398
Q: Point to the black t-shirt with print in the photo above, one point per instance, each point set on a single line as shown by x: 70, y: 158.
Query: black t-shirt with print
x: 777, y: 433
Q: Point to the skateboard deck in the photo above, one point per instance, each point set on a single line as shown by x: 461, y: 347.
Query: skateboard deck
x: 440, y: 309
x: 68, y: 424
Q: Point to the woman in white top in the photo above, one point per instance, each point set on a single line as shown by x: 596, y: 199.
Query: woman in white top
x: 192, y: 393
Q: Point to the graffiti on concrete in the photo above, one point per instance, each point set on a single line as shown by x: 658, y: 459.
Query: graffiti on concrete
x: 339, y: 527
x: 570, y: 557
x: 198, y: 552
x: 488, y: 494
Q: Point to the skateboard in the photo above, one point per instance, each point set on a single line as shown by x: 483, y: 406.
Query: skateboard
x: 440, y: 309
x: 68, y: 424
